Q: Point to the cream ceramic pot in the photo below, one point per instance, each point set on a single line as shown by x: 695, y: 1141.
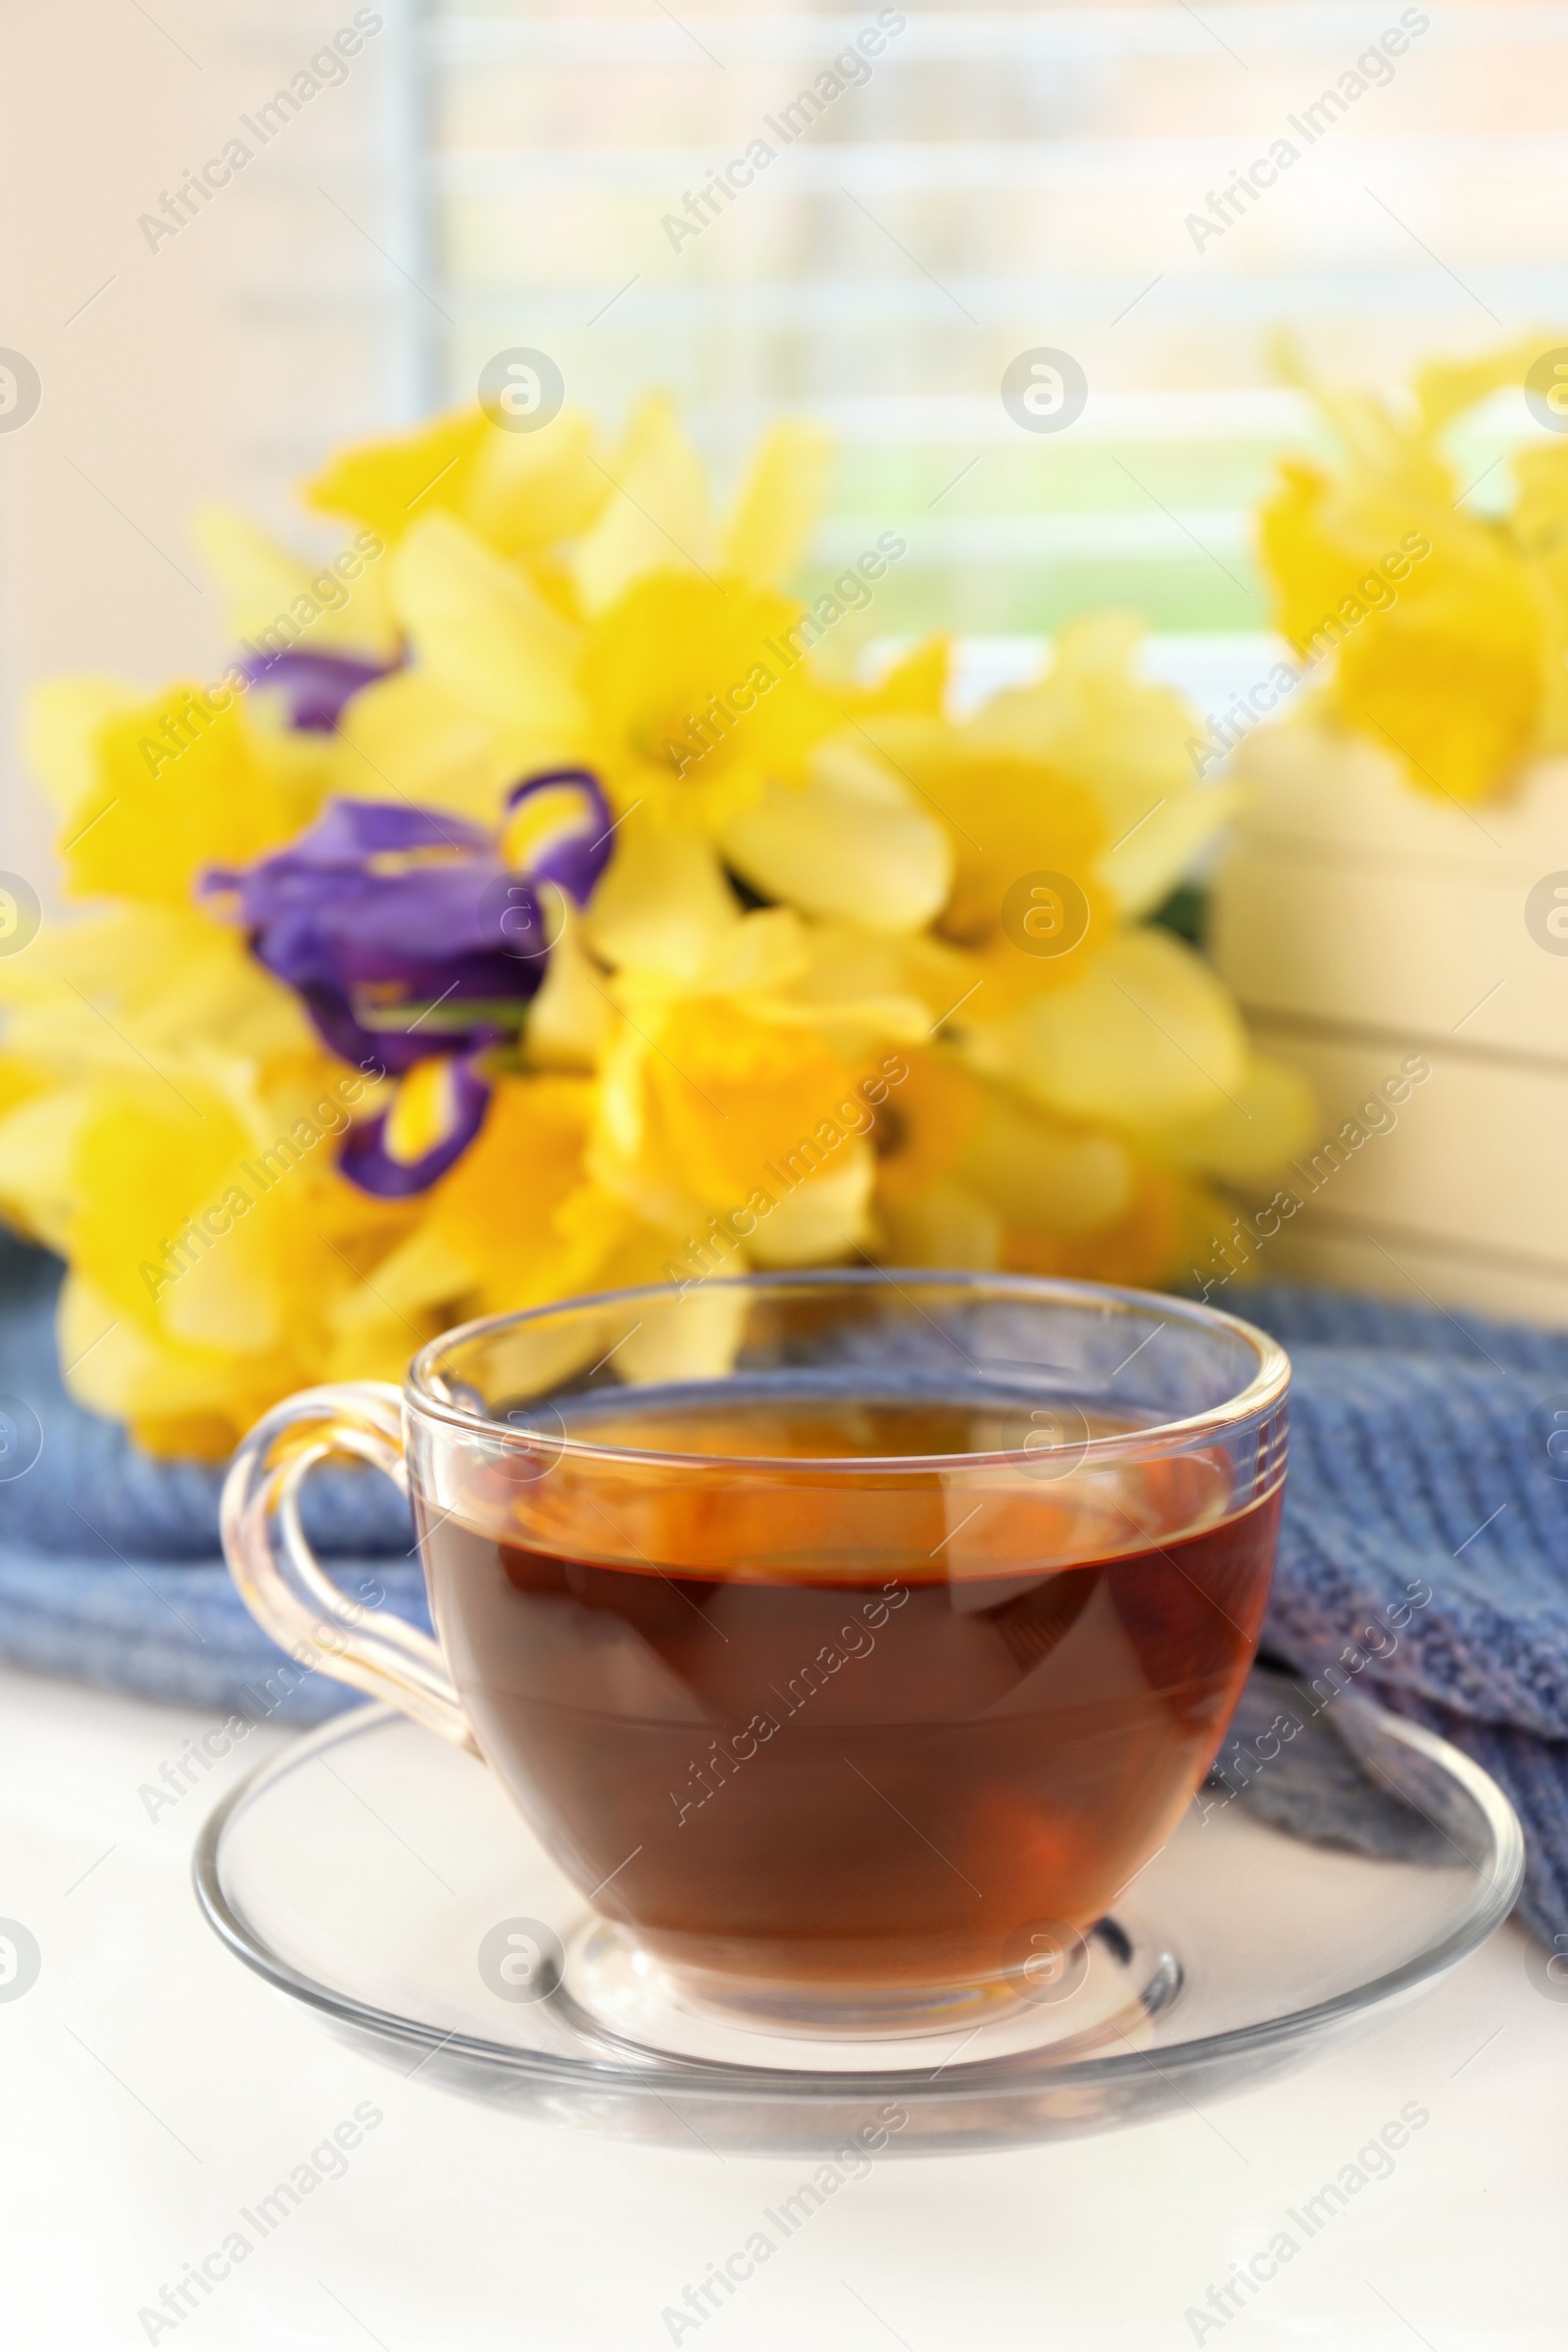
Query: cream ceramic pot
x: 1364, y: 925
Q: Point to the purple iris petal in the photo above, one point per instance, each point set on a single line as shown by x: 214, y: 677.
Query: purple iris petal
x: 575, y: 831
x: 365, y: 1159
x: 399, y: 927
x: 315, y: 686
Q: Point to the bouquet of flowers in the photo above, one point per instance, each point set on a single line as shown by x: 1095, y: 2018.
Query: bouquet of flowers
x: 530, y: 908
x: 1444, y: 627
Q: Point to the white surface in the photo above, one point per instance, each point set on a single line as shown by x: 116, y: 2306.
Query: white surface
x: 152, y: 2087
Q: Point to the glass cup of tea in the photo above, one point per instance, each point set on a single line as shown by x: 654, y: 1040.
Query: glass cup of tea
x: 850, y: 1639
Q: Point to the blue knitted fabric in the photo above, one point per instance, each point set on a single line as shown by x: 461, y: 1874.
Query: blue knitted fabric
x: 1419, y: 1458
x: 111, y: 1568
x: 1418, y: 1461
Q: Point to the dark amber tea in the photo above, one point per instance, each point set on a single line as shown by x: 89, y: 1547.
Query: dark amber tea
x: 805, y: 1707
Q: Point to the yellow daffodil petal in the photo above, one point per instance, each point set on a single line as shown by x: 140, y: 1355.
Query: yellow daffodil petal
x: 275, y: 599
x: 765, y: 950
x: 971, y: 1158
x: 1028, y: 897
x: 784, y: 491
x: 917, y: 685
x: 528, y: 491
x: 211, y: 1232
x: 486, y: 636
x: 696, y: 1339
x: 409, y: 738
x: 1102, y: 728
x: 172, y: 1397
x: 1445, y: 388
x: 1244, y: 1140
x: 733, y: 1092
x: 506, y: 1207
x: 151, y: 979
x: 1037, y: 1173
x: 257, y: 577
x: 179, y: 786
x: 1146, y: 865
x: 22, y: 1081
x: 1144, y: 1247
x: 391, y: 484
x: 65, y: 717
x: 947, y: 1224
x: 1023, y: 836
x: 428, y: 1269
x: 1539, y: 516
x: 181, y: 1399
x: 616, y: 1155
x: 1382, y: 440
x: 380, y: 1343
x: 569, y: 1019
x: 150, y: 1156
x: 39, y: 1162
x: 700, y: 695
x: 662, y: 905
x: 904, y: 987
x: 1308, y: 570
x: 821, y: 1219
x: 1148, y: 1035
x: 656, y: 515
x: 1452, y: 679
x: 851, y: 841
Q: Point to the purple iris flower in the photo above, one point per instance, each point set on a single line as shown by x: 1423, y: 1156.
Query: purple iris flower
x: 417, y: 941
x: 399, y: 927
x: 367, y: 1158
x: 315, y: 686
x: 558, y: 828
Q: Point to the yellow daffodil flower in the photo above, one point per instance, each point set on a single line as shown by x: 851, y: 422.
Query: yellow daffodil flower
x: 274, y: 600
x: 1444, y: 630
x: 675, y: 668
x: 732, y: 1077
x: 153, y: 791
x: 520, y: 493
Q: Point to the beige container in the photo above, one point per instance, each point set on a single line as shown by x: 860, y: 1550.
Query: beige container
x: 1361, y: 924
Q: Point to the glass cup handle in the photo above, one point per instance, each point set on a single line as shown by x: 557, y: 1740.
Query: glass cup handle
x: 284, y: 1583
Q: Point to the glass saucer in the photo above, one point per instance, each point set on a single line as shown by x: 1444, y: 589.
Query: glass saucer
x: 381, y: 1878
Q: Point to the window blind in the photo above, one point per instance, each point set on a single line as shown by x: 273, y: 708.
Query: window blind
x: 986, y: 182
